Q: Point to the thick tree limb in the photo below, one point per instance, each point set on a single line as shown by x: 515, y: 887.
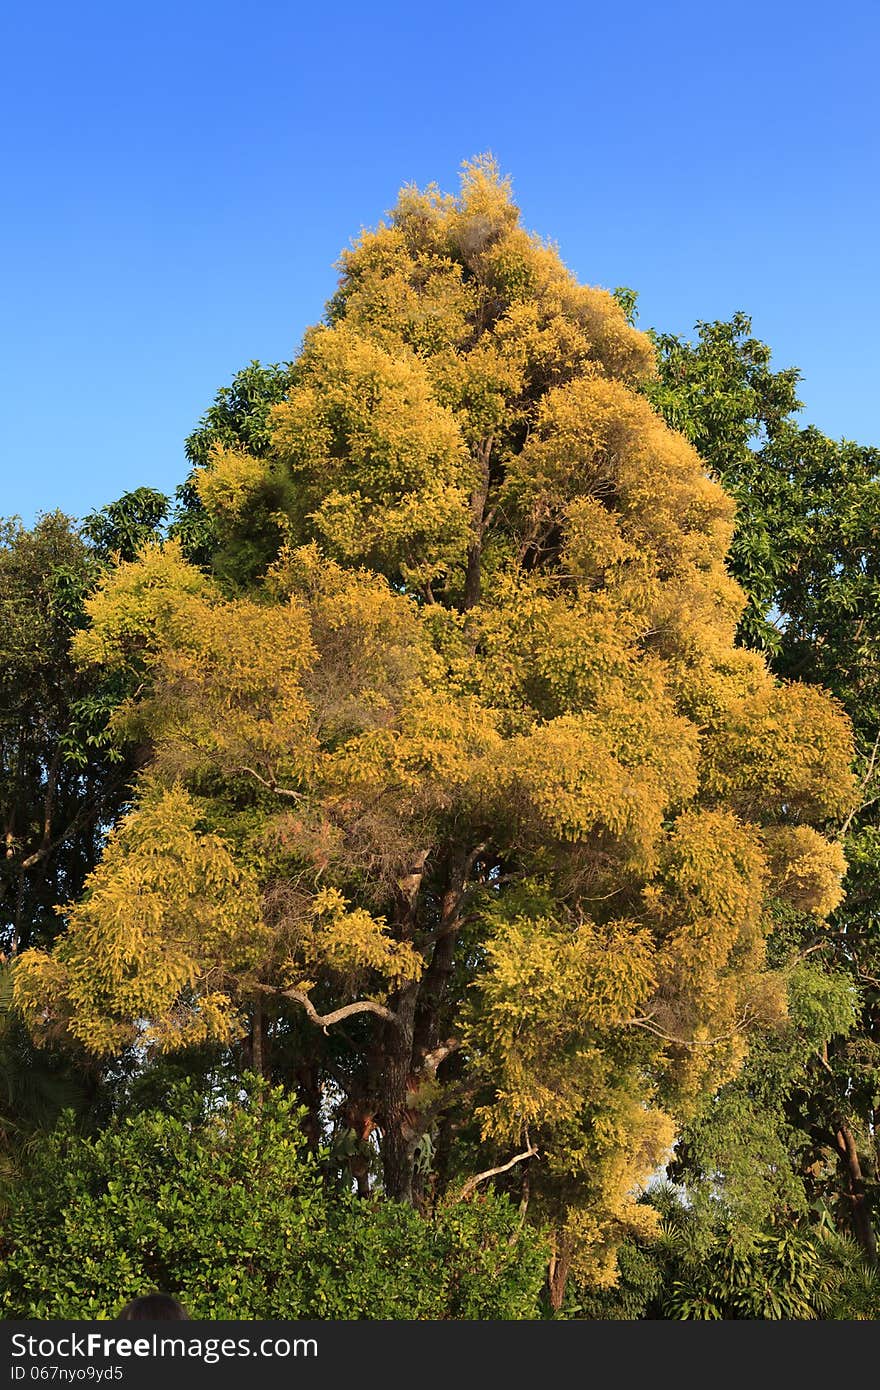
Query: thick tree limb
x: 361, y: 1006
x: 472, y: 1183
x: 450, y: 917
x: 863, y: 1226
x: 439, y: 1054
x: 411, y: 882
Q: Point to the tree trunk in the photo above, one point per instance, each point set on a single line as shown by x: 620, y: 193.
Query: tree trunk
x: 557, y: 1276
x: 436, y: 978
x: 473, y: 575
x: 860, y: 1215
x: 399, y: 1136
x: 258, y: 1040
x: 432, y: 991
x: 308, y: 1091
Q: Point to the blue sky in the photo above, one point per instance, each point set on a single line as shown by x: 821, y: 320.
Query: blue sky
x: 178, y: 180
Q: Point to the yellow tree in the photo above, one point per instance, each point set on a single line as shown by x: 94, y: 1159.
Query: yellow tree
x: 473, y: 767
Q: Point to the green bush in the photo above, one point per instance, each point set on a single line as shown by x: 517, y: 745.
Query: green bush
x: 711, y: 1270
x: 229, y: 1212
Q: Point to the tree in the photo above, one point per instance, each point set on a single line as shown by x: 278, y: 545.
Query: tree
x: 62, y: 781
x: 704, y: 1267
x: 36, y: 1085
x: 484, y: 798
x: 120, y: 529
x: 804, y: 549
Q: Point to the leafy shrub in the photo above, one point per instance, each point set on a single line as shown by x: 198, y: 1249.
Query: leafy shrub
x: 224, y: 1207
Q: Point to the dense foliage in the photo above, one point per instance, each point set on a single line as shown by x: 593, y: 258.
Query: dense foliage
x: 221, y: 1205
x: 479, y: 787
x: 805, y: 548
x: 62, y: 780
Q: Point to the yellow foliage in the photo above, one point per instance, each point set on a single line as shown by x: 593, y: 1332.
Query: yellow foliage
x: 807, y: 870
x: 439, y: 754
x: 349, y: 944
x: 229, y: 483
x: 712, y: 680
x: 548, y: 992
x: 565, y: 774
x: 500, y: 634
x: 596, y: 439
x: 551, y: 999
x: 594, y: 542
x: 364, y: 429
x: 785, y: 751
x: 229, y: 697
x: 371, y: 651
x: 140, y: 606
x: 546, y: 653
x: 593, y: 1227
x: 167, y: 923
x: 712, y: 864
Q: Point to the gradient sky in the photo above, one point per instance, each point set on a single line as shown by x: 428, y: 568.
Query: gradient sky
x: 178, y: 180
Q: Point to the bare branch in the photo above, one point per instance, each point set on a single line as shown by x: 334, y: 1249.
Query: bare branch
x: 88, y: 810
x: 469, y: 862
x: 860, y: 804
x: 472, y: 1183
x: 651, y: 1027
x: 272, y: 786
x: 816, y: 946
x: 361, y: 1006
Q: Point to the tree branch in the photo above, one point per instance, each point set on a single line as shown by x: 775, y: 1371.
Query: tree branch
x: 439, y: 1054
x: 89, y: 810
x: 863, y: 787
x: 272, y: 786
x: 361, y: 1006
x: 450, y: 916
x: 411, y: 882
x: 472, y: 1183
x: 651, y: 1027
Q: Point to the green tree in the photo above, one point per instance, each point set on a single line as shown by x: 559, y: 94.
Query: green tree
x: 36, y: 1085
x: 120, y: 529
x: 62, y: 780
x: 821, y: 502
x: 703, y: 1266
x: 58, y: 789
x: 721, y: 393
x: 805, y: 549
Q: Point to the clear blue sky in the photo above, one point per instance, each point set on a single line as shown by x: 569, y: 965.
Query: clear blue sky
x: 178, y: 179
